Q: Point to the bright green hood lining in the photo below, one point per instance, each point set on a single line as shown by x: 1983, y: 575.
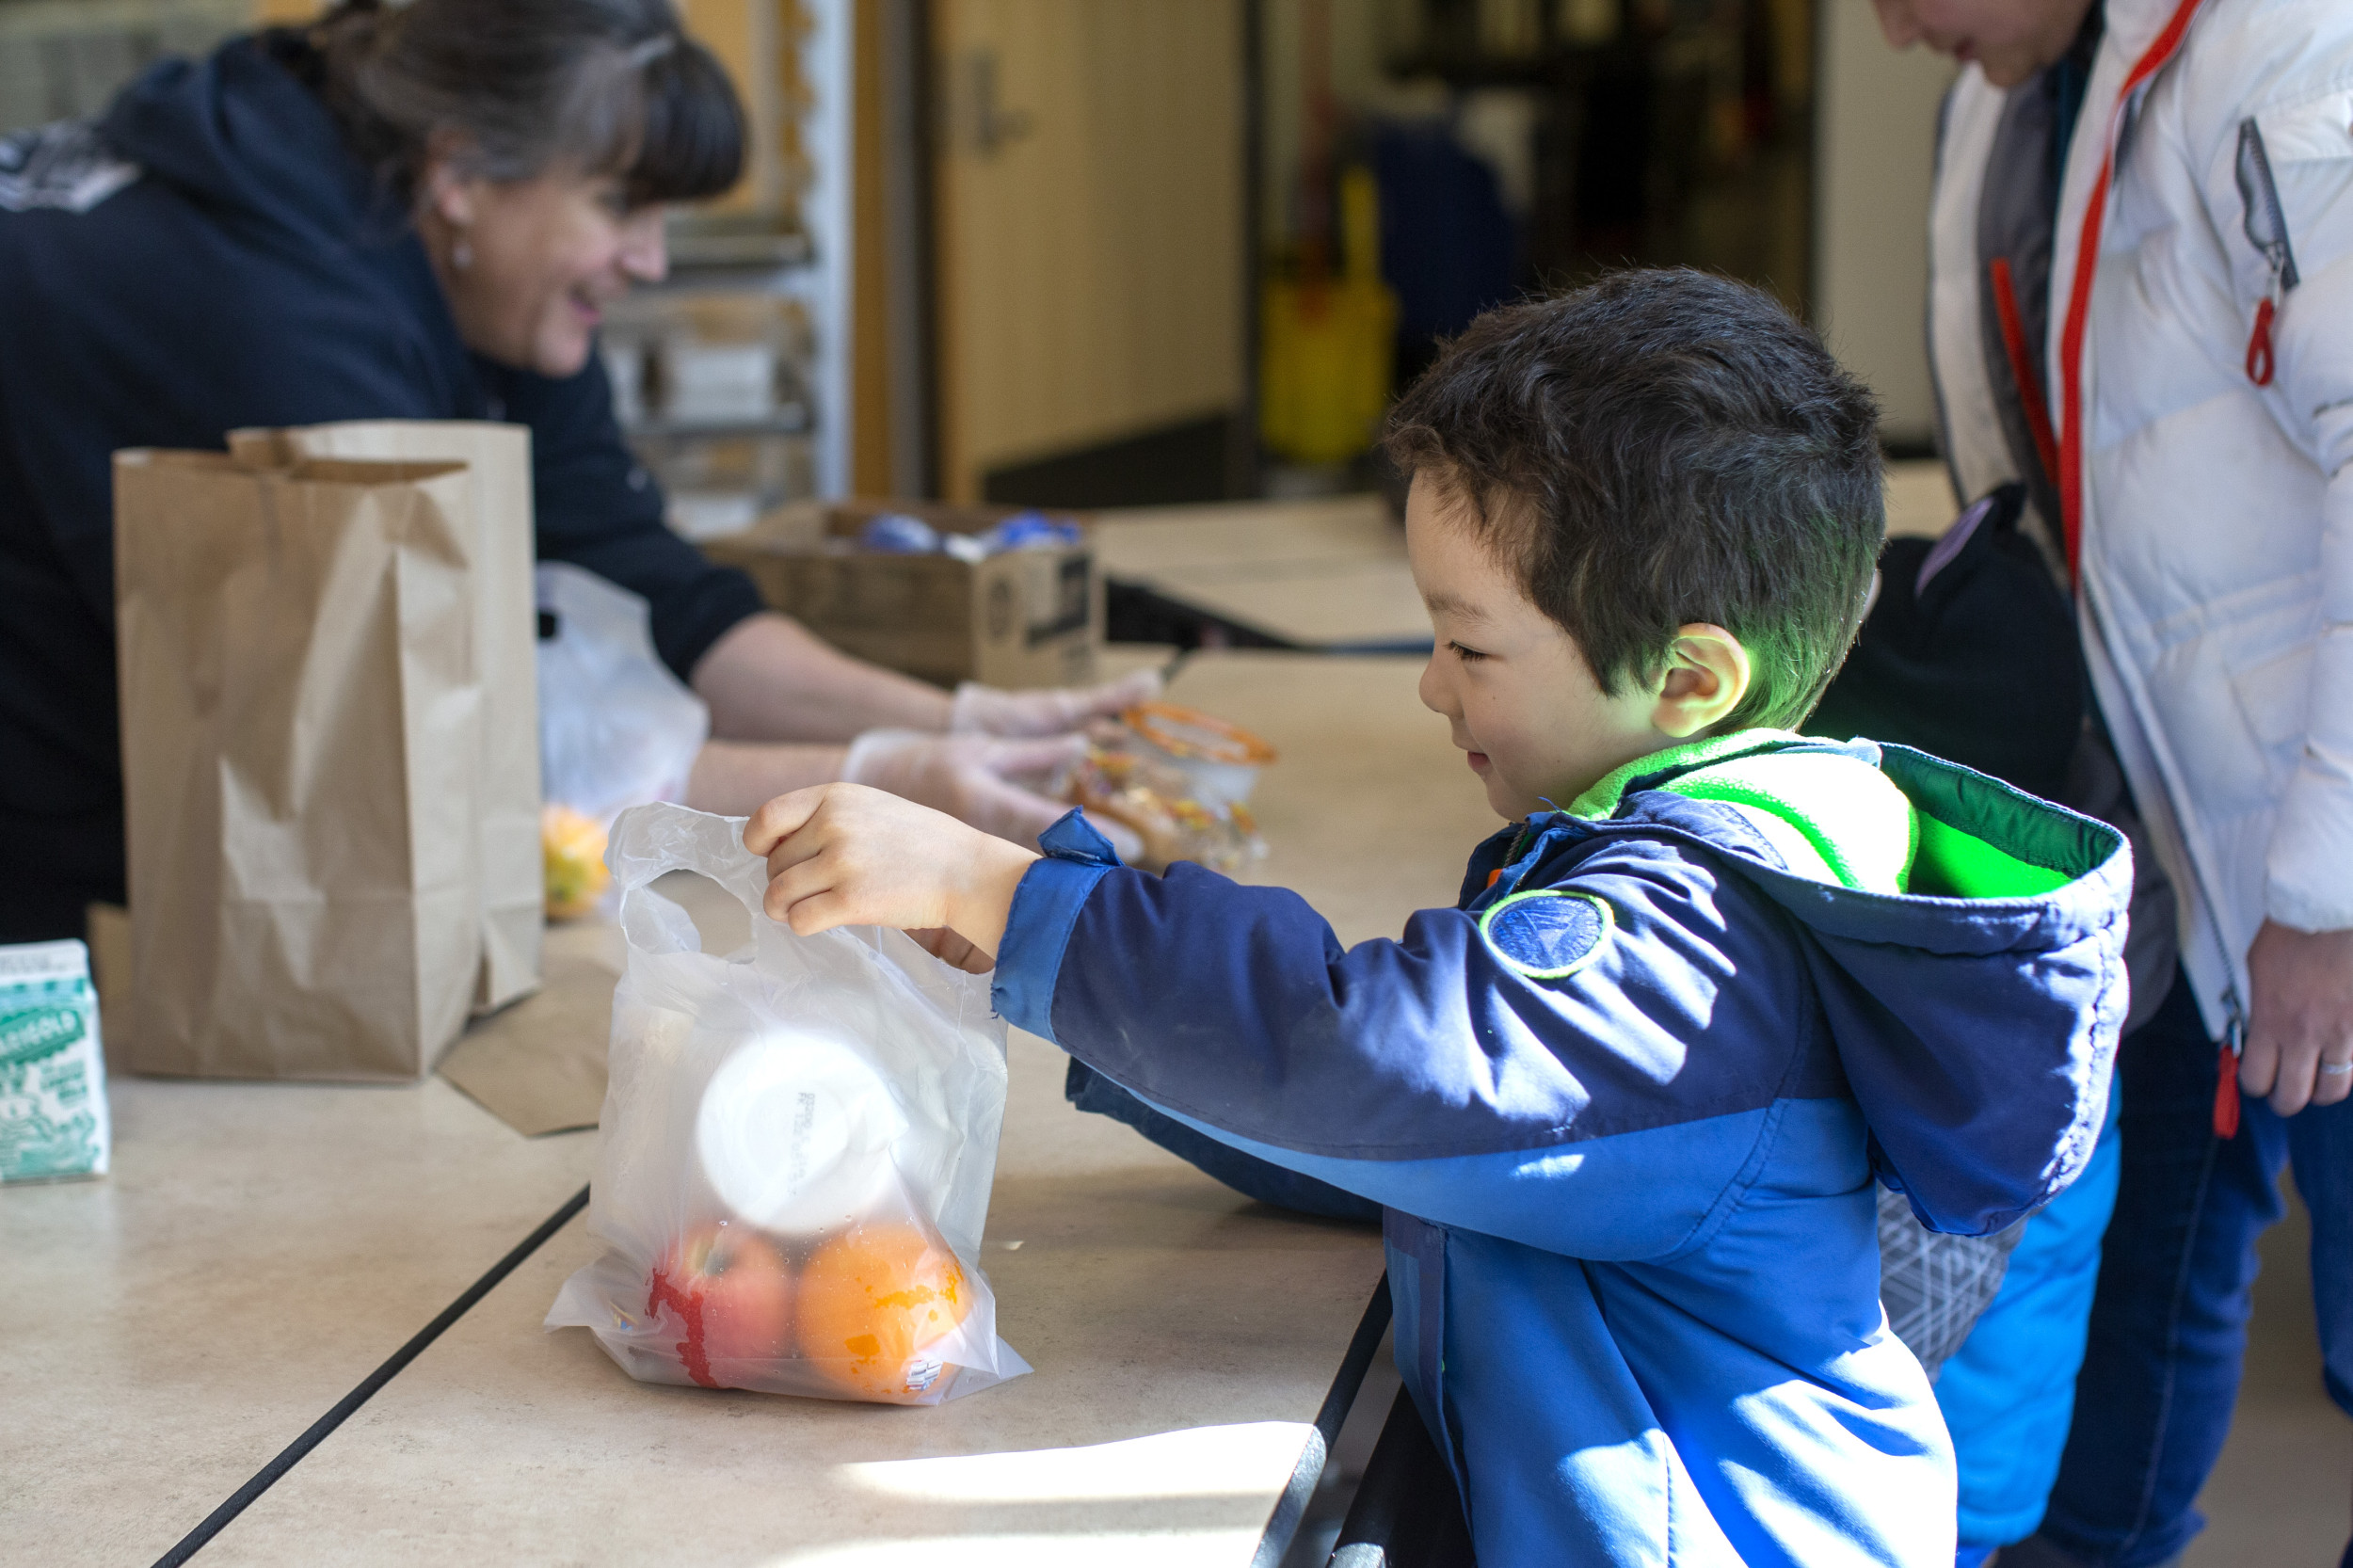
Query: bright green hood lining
x: 1863, y: 829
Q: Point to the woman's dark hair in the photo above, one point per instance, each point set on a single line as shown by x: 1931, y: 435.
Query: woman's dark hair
x: 1660, y: 448
x: 605, y: 87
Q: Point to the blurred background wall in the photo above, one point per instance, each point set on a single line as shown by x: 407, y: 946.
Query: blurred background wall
x: 1090, y: 251
x: 1872, y: 152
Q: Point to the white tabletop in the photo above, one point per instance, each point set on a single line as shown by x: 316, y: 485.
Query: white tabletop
x: 257, y: 1251
x: 1161, y: 1310
x: 260, y: 1248
x: 1311, y: 572
x: 1331, y: 571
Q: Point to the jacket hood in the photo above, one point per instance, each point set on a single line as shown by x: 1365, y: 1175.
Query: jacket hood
x: 1967, y: 941
x: 239, y: 132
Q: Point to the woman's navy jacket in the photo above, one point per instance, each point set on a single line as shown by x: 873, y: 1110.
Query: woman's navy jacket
x: 1623, y: 1107
x: 209, y: 256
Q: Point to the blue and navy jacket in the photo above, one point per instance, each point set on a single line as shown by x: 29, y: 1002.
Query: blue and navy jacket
x: 1624, y: 1105
x: 210, y: 254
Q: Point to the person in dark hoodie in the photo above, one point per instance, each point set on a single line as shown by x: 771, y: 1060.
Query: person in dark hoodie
x: 412, y: 213
x: 1624, y: 1102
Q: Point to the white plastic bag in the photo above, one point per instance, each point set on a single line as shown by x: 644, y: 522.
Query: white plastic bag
x: 616, y: 729
x: 797, y: 1150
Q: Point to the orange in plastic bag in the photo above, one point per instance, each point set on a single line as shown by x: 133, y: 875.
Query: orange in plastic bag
x: 872, y: 1299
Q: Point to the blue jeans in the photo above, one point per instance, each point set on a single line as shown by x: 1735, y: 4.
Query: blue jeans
x: 2168, y: 1322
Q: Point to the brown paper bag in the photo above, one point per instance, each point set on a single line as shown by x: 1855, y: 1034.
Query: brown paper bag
x: 498, y: 461
x: 304, y: 689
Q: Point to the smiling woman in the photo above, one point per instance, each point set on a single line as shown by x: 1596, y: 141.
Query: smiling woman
x: 537, y: 142
x: 401, y: 212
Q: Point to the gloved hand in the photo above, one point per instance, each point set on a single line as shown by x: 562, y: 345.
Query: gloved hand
x: 982, y: 709
x: 998, y: 786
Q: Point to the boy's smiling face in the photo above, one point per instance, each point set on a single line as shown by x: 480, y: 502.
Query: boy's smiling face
x: 1516, y: 688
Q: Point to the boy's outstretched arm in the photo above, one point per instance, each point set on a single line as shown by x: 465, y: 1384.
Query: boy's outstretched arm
x: 845, y: 855
x: 1602, y: 1108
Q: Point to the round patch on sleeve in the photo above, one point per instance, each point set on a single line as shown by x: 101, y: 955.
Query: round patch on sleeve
x: 1547, y: 934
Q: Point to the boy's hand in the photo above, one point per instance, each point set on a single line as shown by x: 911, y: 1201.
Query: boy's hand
x: 845, y: 855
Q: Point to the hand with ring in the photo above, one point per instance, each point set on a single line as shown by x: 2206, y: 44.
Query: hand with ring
x: 2300, y: 1033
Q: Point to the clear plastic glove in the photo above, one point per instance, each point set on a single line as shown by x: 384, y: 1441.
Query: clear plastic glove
x: 982, y: 709
x: 998, y: 786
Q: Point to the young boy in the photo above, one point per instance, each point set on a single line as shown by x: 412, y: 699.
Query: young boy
x: 1624, y: 1102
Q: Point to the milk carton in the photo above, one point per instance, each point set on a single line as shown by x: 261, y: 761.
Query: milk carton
x: 53, y: 1076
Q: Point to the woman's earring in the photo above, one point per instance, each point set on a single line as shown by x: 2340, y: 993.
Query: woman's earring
x: 460, y: 254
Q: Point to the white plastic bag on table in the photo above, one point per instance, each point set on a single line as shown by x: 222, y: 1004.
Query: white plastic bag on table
x: 797, y: 1150
x: 616, y: 729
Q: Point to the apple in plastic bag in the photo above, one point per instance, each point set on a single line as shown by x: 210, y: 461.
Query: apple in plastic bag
x: 872, y: 1301
x: 731, y: 1293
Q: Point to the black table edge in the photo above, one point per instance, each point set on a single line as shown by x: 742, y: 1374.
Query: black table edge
x: 1291, y: 1507
x: 267, y: 1476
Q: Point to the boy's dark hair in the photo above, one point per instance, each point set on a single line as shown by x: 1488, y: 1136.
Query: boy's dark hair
x: 1659, y: 448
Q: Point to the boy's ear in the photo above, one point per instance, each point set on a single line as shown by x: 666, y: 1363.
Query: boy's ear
x: 1707, y: 675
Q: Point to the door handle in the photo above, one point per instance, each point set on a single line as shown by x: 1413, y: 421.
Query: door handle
x: 988, y: 126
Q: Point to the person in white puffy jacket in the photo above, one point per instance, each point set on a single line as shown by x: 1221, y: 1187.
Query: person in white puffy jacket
x: 2142, y: 309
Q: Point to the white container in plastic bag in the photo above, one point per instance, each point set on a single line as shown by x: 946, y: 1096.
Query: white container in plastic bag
x: 796, y: 1148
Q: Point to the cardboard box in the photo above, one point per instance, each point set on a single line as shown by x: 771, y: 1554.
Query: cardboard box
x: 1024, y: 617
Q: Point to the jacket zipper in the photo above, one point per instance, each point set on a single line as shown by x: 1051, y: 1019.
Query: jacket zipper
x: 1511, y: 854
x: 2233, y: 1045
x: 2226, y: 1066
x: 2022, y: 371
x: 2267, y: 226
x: 2075, y: 324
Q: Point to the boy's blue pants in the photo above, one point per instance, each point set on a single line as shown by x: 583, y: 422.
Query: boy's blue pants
x: 2007, y: 1392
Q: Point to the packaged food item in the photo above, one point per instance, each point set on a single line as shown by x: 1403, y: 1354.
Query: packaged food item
x: 795, y: 1151
x: 1181, y: 779
x: 53, y: 1073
